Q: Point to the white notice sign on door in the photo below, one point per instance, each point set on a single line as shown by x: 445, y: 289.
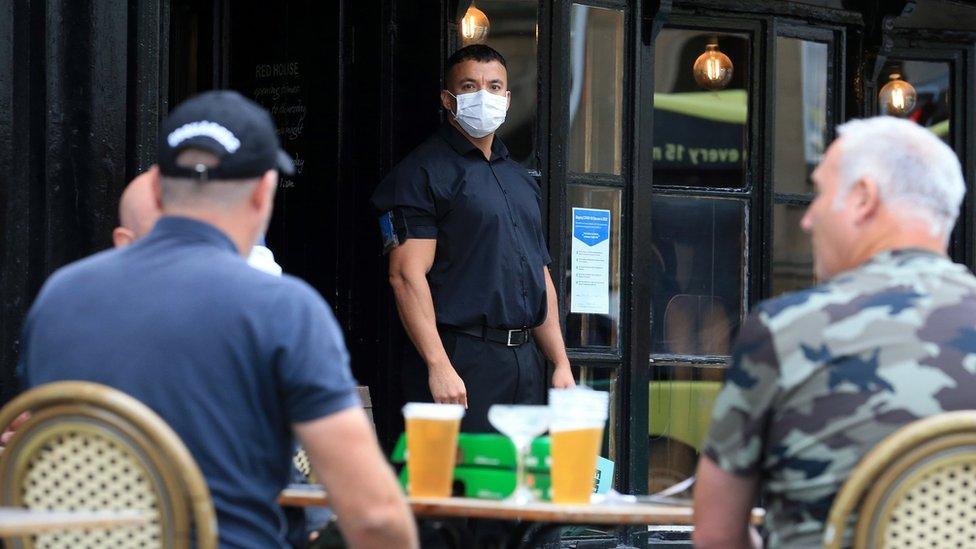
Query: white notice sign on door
x: 590, y: 291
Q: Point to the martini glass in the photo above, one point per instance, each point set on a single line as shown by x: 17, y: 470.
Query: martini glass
x: 521, y: 424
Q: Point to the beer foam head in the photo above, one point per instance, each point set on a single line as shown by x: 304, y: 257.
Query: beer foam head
x: 430, y: 410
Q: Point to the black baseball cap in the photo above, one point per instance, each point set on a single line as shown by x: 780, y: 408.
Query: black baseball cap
x: 225, y: 123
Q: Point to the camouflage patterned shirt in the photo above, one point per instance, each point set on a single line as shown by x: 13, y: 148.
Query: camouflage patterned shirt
x: 818, y: 377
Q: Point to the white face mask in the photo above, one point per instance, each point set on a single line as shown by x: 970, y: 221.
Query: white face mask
x: 480, y: 113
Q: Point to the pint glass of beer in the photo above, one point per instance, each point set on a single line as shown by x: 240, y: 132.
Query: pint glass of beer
x: 576, y: 433
x: 432, y: 434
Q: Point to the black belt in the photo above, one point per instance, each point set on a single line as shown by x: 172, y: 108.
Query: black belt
x: 511, y: 338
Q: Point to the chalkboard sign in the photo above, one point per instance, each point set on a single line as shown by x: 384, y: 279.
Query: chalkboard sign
x: 285, y: 56
x: 279, y: 88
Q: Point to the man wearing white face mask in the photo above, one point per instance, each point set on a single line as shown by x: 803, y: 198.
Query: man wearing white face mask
x: 469, y: 268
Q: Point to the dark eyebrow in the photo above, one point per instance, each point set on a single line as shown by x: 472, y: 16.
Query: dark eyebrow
x: 466, y: 80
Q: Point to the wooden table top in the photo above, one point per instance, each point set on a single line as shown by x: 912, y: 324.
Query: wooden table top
x: 17, y: 521
x: 623, y: 513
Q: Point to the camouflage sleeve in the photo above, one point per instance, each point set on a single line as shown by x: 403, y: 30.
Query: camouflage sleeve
x: 740, y: 418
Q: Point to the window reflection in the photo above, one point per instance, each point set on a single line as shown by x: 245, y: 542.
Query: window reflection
x: 800, y: 124
x: 589, y: 330
x: 514, y: 25
x: 698, y: 249
x: 596, y: 92
x: 792, y: 266
x: 931, y: 81
x: 680, y: 399
x: 700, y: 137
x: 605, y: 379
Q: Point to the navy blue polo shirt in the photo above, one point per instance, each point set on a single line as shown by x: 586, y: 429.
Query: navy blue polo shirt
x: 485, y: 215
x: 229, y: 356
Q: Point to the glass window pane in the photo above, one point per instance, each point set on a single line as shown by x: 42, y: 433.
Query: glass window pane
x: 931, y: 82
x: 792, y: 267
x: 514, y: 33
x: 700, y: 136
x: 699, y: 272
x: 800, y: 131
x: 596, y: 92
x: 680, y: 403
x: 605, y: 379
x: 595, y: 298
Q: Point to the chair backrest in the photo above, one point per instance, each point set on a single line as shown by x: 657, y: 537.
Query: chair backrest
x: 697, y: 325
x: 916, y: 488
x: 90, y: 447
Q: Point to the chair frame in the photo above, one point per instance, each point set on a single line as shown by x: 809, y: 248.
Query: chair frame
x: 147, y: 436
x: 886, y: 474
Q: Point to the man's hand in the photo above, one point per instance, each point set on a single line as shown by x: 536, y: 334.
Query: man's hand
x: 9, y: 432
x: 562, y: 377
x: 446, y: 386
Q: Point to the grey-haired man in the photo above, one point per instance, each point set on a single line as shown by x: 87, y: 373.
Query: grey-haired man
x: 818, y: 377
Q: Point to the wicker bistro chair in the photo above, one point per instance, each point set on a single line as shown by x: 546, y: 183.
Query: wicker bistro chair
x: 90, y: 447
x: 916, y: 488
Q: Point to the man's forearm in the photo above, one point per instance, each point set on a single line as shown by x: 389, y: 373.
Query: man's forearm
x: 549, y: 335
x: 416, y: 308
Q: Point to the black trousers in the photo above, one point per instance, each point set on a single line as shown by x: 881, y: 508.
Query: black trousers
x: 493, y: 373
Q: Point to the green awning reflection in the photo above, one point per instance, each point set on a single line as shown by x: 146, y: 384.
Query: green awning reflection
x: 728, y: 106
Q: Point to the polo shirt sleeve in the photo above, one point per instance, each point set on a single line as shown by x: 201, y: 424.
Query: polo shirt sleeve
x: 408, y: 193
x: 312, y: 364
x: 740, y: 419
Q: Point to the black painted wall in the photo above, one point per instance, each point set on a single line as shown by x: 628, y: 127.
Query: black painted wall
x: 79, y: 102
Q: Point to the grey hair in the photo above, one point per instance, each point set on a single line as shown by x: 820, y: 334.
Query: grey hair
x: 911, y: 166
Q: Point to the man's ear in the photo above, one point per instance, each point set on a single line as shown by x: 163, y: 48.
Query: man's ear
x: 263, y: 194
x: 122, y: 237
x: 448, y: 101
x: 508, y: 94
x: 865, y: 199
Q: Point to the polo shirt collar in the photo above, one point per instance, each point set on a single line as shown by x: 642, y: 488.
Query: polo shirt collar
x: 463, y: 146
x: 178, y: 226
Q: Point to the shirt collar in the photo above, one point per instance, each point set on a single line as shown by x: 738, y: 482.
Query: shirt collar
x: 177, y: 226
x: 463, y: 146
x: 903, y: 253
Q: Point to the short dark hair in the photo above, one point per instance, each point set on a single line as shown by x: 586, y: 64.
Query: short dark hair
x: 475, y: 52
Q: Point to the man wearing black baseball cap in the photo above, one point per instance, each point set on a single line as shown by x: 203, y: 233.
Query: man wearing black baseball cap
x: 234, y: 359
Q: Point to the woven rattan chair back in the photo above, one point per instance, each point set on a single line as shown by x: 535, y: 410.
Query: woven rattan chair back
x: 89, y: 447
x: 917, y: 488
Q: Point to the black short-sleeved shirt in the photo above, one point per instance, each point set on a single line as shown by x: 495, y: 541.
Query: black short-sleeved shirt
x: 491, y: 251
x: 228, y: 355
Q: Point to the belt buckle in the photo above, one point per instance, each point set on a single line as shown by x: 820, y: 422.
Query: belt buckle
x: 508, y: 341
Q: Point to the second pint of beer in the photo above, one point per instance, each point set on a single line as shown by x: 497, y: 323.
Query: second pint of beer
x: 576, y: 434
x: 432, y: 434
x: 573, y: 470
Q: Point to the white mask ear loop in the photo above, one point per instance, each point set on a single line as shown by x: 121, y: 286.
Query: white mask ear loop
x: 455, y: 104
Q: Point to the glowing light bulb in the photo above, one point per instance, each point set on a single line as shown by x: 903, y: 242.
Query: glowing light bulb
x: 713, y: 69
x: 474, y: 26
x: 897, y: 97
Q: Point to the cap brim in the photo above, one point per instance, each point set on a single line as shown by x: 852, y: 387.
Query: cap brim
x: 284, y: 163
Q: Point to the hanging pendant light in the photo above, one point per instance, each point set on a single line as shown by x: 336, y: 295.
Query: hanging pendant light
x: 474, y: 26
x: 897, y: 97
x: 712, y: 69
